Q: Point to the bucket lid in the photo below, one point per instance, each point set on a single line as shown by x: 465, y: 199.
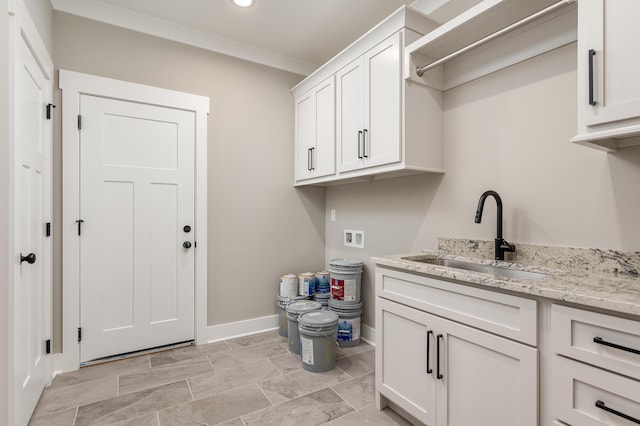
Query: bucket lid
x: 347, y: 263
x: 306, y: 275
x: 286, y: 299
x: 303, y: 306
x: 318, y: 319
x: 338, y: 305
x: 322, y: 273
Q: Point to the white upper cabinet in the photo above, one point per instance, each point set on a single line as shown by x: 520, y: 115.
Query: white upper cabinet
x: 608, y: 69
x: 369, y: 108
x: 315, y: 131
x: 384, y: 125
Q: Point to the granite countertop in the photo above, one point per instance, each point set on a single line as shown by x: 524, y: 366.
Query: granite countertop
x: 600, y: 288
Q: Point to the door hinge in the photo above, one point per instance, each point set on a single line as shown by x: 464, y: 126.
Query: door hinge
x: 49, y: 106
x: 47, y: 346
x: 47, y: 229
x: 79, y: 122
x: 79, y: 334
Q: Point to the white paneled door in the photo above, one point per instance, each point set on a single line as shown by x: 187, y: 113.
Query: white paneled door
x: 136, y: 226
x: 31, y: 211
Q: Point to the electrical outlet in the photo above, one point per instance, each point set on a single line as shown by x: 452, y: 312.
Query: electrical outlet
x: 353, y: 238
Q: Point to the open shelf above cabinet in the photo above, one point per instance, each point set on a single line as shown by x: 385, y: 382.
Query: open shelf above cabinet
x: 475, y: 25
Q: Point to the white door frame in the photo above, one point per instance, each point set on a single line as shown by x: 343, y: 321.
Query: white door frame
x: 22, y: 27
x: 74, y: 84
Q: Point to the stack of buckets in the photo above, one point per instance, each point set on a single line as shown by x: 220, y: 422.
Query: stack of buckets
x: 313, y: 327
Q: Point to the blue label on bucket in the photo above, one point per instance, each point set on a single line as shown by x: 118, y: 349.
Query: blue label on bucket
x: 349, y: 330
x: 322, y: 284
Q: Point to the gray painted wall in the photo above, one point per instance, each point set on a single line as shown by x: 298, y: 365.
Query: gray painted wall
x: 41, y: 12
x: 508, y: 131
x: 5, y: 163
x: 260, y: 226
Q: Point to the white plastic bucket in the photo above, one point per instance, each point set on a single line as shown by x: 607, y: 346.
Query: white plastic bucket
x: 318, y: 340
x: 288, y: 285
x: 346, y: 280
x: 294, y: 310
x: 306, y: 284
x: 349, y: 322
x: 282, y: 303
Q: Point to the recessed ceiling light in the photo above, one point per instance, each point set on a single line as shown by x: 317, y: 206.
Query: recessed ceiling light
x: 243, y: 3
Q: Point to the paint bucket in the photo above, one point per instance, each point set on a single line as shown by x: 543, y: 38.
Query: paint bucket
x: 282, y: 312
x: 318, y: 340
x: 306, y: 283
x: 295, y: 309
x: 349, y: 320
x: 288, y: 285
x: 323, y: 299
x: 346, y: 280
x: 323, y: 285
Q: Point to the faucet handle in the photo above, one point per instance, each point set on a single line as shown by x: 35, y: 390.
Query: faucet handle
x: 508, y: 247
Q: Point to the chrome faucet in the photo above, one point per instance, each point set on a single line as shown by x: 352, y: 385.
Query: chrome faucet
x: 501, y: 245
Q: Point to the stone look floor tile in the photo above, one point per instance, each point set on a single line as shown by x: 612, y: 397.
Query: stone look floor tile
x: 371, y: 416
x: 99, y: 371
x: 61, y: 418
x: 133, y: 405
x: 150, y: 419
x: 234, y: 422
x: 217, y: 408
x: 309, y: 410
x: 359, y: 392
x: 237, y: 357
x: 362, y: 347
x: 359, y: 364
x: 164, y: 374
x: 253, y: 339
x: 287, y: 362
x: 293, y: 385
x: 229, y: 378
x: 71, y: 396
x: 168, y: 357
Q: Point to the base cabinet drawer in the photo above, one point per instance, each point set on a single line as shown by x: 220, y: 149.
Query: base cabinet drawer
x: 588, y: 396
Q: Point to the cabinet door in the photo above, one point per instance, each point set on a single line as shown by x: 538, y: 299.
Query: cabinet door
x: 323, y: 156
x: 383, y: 80
x: 402, y: 373
x: 350, y: 115
x: 486, y: 380
x: 315, y: 131
x: 305, y: 134
x: 606, y: 27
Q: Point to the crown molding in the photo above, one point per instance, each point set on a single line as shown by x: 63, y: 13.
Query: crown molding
x: 94, y: 10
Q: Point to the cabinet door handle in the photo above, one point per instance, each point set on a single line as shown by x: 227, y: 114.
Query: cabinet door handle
x: 313, y: 167
x: 309, y: 159
x: 592, y: 100
x: 602, y: 406
x: 359, y: 143
x: 601, y: 341
x: 364, y: 143
x: 439, y: 375
x: 429, y: 369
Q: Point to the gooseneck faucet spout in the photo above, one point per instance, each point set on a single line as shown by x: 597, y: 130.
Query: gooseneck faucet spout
x: 501, y: 245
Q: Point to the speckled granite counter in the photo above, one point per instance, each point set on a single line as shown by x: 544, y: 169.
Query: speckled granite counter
x: 605, y: 279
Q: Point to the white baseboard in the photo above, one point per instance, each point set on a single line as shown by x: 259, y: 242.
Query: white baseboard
x: 240, y: 328
x: 368, y: 334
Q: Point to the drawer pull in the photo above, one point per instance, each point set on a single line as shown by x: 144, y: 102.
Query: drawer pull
x: 600, y: 405
x: 601, y: 341
x: 429, y: 369
x: 438, y: 374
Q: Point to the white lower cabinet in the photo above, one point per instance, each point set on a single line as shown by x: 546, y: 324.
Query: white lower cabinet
x: 445, y: 373
x: 595, y: 372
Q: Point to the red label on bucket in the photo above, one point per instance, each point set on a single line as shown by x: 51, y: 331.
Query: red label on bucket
x: 337, y: 289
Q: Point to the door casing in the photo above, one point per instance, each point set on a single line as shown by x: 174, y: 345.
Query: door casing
x: 73, y: 84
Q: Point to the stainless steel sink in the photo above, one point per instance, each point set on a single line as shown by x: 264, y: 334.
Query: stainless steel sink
x: 498, y: 271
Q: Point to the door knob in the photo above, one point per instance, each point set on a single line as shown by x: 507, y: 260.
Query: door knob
x: 186, y: 244
x: 30, y: 258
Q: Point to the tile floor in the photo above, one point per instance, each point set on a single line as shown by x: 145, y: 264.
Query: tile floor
x: 245, y: 381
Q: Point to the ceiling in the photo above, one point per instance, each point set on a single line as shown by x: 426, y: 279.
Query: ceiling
x: 295, y: 35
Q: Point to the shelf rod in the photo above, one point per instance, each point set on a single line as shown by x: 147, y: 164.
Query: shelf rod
x: 421, y: 70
